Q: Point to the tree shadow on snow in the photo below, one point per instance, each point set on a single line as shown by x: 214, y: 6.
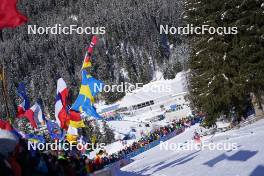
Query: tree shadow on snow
x: 126, y: 173
x: 258, y: 171
x: 242, y: 155
x: 179, y: 161
x: 216, y: 160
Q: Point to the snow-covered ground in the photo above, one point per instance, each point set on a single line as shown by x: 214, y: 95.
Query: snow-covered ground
x: 246, y: 159
x: 124, y: 127
x: 112, y: 148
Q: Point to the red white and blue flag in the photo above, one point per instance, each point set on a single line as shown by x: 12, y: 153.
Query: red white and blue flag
x: 35, y: 116
x: 61, y: 104
x: 25, y: 105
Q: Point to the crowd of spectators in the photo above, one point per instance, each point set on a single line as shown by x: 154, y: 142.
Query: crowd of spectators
x: 23, y: 162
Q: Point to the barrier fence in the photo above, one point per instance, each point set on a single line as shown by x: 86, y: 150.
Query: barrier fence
x: 154, y: 143
x: 112, y: 169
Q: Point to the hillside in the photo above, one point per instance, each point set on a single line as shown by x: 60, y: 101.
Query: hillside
x: 131, y: 50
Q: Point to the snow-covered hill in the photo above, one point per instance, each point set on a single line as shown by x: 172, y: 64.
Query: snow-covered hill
x: 246, y: 159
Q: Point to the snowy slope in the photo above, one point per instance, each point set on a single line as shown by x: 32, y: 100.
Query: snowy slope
x: 246, y: 160
x: 112, y: 148
x: 125, y: 127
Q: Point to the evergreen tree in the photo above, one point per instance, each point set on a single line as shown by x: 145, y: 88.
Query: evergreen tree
x: 108, y: 134
x: 97, y: 133
x: 225, y: 69
x: 131, y: 40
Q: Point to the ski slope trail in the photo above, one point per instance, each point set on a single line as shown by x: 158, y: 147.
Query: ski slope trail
x: 246, y: 159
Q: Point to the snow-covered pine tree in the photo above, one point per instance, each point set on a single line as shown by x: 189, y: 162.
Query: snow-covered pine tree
x: 225, y: 69
x: 108, y: 134
x: 97, y: 132
x: 129, y: 24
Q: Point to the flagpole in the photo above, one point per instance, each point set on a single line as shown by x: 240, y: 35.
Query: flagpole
x: 4, y: 91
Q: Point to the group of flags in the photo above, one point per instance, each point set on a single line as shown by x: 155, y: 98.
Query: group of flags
x: 66, y: 118
x: 34, y: 114
x: 69, y: 119
x: 36, y: 118
x: 84, y: 104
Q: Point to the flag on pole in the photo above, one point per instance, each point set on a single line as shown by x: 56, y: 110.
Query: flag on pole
x: 61, y: 114
x: 9, y: 15
x: 75, y: 119
x: 25, y: 105
x: 90, y: 87
x: 88, y: 54
x: 35, y: 116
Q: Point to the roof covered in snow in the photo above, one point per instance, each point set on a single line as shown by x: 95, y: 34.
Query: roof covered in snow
x: 156, y: 89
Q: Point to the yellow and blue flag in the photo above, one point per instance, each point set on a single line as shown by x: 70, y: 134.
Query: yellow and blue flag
x: 90, y: 87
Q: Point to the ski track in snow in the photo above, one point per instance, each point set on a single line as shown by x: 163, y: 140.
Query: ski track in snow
x: 247, y: 160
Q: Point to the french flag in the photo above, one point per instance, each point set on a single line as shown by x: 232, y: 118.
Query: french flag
x: 25, y: 105
x: 21, y: 109
x: 61, y: 114
x: 35, y: 116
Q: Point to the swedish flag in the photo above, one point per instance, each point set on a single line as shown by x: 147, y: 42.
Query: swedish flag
x: 90, y: 87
